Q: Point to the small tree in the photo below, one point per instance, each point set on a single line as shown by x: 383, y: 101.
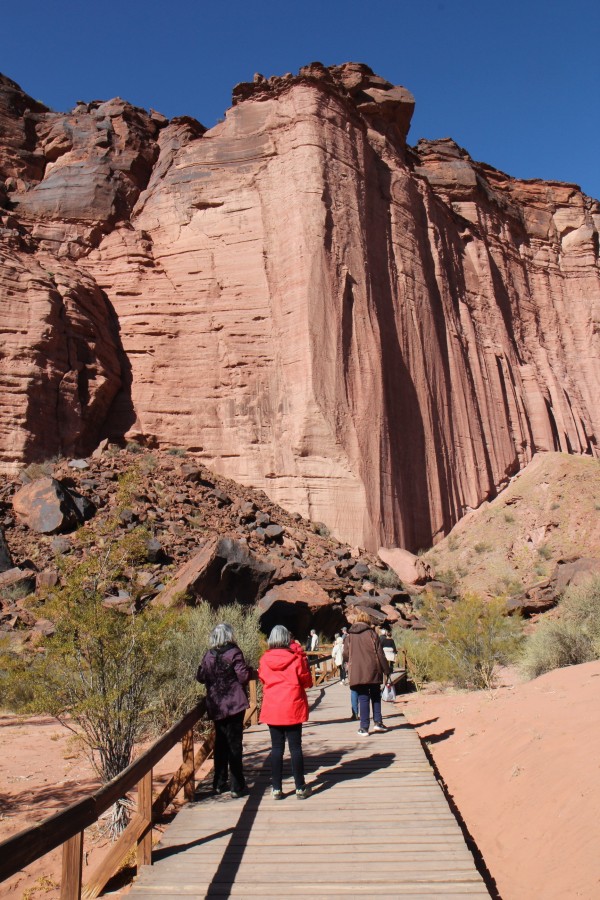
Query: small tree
x: 97, y: 672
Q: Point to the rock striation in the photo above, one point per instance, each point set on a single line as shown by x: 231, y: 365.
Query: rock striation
x: 377, y: 335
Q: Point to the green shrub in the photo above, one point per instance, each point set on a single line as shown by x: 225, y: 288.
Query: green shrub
x: 545, y: 551
x: 471, y: 636
x: 482, y: 547
x: 384, y: 577
x: 555, y: 644
x: 176, y: 451
x: 424, y: 661
x: 508, y: 517
x: 573, y: 638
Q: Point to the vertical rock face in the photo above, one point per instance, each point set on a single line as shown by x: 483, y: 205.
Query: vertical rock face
x: 376, y: 335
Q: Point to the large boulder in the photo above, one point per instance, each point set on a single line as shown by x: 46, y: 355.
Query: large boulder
x: 47, y: 506
x: 409, y: 568
x: 576, y: 572
x: 223, y: 571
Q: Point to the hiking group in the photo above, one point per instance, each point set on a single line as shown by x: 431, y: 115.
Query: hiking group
x: 363, y: 661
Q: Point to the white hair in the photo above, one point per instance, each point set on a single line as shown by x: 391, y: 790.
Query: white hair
x: 220, y: 635
x: 279, y: 637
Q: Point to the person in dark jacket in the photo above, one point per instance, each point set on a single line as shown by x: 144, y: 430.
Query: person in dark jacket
x: 285, y: 675
x: 225, y: 673
x: 366, y: 667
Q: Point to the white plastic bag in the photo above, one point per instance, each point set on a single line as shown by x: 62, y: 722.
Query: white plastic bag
x: 389, y: 692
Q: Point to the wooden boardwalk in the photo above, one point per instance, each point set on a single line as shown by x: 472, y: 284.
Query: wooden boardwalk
x: 377, y: 824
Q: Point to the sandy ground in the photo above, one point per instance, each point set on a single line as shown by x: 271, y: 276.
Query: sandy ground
x: 523, y: 766
x: 42, y: 771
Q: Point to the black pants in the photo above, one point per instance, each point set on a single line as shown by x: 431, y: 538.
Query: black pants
x: 228, y: 753
x: 294, y: 739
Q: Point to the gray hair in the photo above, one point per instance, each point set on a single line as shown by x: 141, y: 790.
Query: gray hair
x: 279, y: 637
x: 221, y: 634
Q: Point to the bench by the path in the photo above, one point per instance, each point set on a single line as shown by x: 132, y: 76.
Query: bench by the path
x: 377, y: 824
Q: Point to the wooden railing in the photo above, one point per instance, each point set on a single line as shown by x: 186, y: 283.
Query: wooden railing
x: 67, y: 827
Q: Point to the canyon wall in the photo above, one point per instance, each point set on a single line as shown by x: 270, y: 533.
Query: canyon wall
x: 376, y: 335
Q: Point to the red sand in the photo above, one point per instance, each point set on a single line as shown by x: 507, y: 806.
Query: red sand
x: 523, y: 766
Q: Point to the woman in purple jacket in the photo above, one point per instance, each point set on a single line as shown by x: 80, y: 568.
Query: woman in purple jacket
x: 225, y: 673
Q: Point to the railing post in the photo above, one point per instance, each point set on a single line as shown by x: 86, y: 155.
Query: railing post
x: 252, y: 698
x: 144, y: 808
x: 72, y: 865
x: 187, y: 751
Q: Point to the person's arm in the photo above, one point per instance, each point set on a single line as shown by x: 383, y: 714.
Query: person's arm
x: 385, y: 666
x: 260, y: 671
x: 242, y: 670
x: 304, y: 673
x: 201, y: 673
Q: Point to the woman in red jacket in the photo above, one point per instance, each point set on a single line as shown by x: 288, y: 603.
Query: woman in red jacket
x: 285, y: 675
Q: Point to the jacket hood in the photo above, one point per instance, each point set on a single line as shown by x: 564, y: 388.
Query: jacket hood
x: 358, y: 627
x: 280, y: 658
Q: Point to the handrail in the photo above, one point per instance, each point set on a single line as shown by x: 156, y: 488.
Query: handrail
x: 23, y: 848
x: 67, y: 826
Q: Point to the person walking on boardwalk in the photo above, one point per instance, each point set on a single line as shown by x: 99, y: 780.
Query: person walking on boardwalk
x: 366, y: 667
x: 285, y: 675
x: 225, y: 673
x: 337, y: 655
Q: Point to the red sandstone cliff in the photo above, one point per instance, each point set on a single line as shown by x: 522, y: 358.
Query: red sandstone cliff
x: 376, y: 335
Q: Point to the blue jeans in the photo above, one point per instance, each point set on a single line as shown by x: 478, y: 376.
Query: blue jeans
x: 368, y: 694
x: 354, y: 701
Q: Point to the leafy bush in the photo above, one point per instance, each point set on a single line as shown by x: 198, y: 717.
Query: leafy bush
x: 464, y: 642
x: 384, y: 577
x: 423, y: 659
x: 573, y: 638
x: 175, y: 673
x: 545, y: 551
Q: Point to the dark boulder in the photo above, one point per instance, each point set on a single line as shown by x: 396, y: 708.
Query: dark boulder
x: 5, y: 557
x: 47, y: 506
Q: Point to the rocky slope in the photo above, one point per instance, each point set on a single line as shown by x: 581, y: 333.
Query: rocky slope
x: 205, y: 538
x: 377, y: 336
x: 533, y: 540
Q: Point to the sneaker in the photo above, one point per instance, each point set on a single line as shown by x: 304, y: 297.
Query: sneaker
x: 303, y: 793
x: 353, y: 717
x: 235, y: 795
x: 362, y: 732
x: 379, y: 726
x: 276, y: 795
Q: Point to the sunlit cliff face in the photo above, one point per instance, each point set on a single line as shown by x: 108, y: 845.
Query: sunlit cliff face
x: 378, y: 336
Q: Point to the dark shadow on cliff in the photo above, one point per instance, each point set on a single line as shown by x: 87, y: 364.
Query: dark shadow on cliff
x: 121, y: 414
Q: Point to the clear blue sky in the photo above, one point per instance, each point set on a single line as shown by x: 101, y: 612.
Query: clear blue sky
x: 516, y: 83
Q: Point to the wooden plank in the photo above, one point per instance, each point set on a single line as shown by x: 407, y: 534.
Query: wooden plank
x: 115, y: 858
x: 176, y: 782
x: 144, y: 809
x: 187, y: 752
x: 72, y: 863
